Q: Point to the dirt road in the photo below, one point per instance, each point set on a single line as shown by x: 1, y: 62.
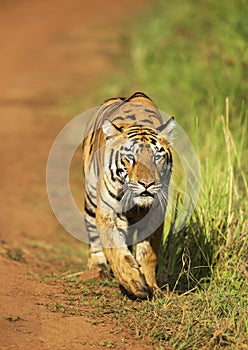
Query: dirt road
x: 50, y: 51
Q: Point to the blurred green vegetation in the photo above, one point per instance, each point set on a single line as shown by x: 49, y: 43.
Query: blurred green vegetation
x: 190, y: 55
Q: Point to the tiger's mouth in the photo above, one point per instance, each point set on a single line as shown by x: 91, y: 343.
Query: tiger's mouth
x: 141, y: 199
x: 144, y: 200
x: 141, y: 190
x: 146, y: 194
x: 147, y: 197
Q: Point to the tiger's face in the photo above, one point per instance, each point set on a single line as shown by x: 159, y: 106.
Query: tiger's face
x: 142, y: 162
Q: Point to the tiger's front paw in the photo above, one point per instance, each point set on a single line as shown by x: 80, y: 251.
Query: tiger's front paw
x: 135, y: 287
x: 139, y: 289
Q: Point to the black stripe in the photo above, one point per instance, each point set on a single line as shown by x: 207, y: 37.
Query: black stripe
x: 153, y: 114
x: 112, y: 109
x: 94, y: 239
x: 111, y: 156
x: 91, y: 146
x: 147, y: 121
x: 123, y: 163
x: 137, y: 138
x: 123, y: 232
x: 90, y: 200
x: 89, y: 226
x: 89, y: 211
x: 109, y: 191
x: 147, y: 133
x: 118, y: 118
x: 131, y: 116
x: 121, y: 216
x: 112, y: 175
x: 170, y: 158
x: 116, y: 156
x: 135, y: 127
x: 127, y: 149
x: 119, y: 171
x: 132, y: 134
x: 153, y: 141
x: 151, y: 111
x: 135, y: 95
x: 91, y: 192
x: 111, y: 162
x: 105, y: 202
x: 92, y: 137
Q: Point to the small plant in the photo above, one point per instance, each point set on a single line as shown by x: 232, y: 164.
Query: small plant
x: 16, y: 254
x: 107, y: 345
x: 14, y: 319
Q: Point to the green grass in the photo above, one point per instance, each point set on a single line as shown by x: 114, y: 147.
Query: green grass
x: 189, y: 56
x: 206, y: 320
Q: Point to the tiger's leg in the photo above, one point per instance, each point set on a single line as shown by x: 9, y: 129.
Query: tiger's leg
x: 147, y: 255
x: 126, y: 271
x: 122, y: 262
x: 96, y: 258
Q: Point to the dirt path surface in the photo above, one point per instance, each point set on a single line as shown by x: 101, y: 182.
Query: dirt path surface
x: 50, y: 50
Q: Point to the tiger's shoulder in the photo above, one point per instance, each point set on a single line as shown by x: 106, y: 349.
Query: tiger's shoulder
x: 137, y: 108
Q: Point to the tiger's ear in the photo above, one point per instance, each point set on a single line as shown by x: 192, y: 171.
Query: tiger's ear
x: 166, y: 128
x: 110, y: 129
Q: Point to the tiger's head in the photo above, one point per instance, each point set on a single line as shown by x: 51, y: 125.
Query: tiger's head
x: 139, y: 158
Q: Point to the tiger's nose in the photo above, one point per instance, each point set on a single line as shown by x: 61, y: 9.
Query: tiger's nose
x: 146, y: 184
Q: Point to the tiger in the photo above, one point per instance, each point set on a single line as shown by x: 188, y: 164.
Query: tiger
x: 127, y: 167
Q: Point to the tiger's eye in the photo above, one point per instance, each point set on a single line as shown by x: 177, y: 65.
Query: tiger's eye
x: 158, y: 157
x: 130, y: 157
